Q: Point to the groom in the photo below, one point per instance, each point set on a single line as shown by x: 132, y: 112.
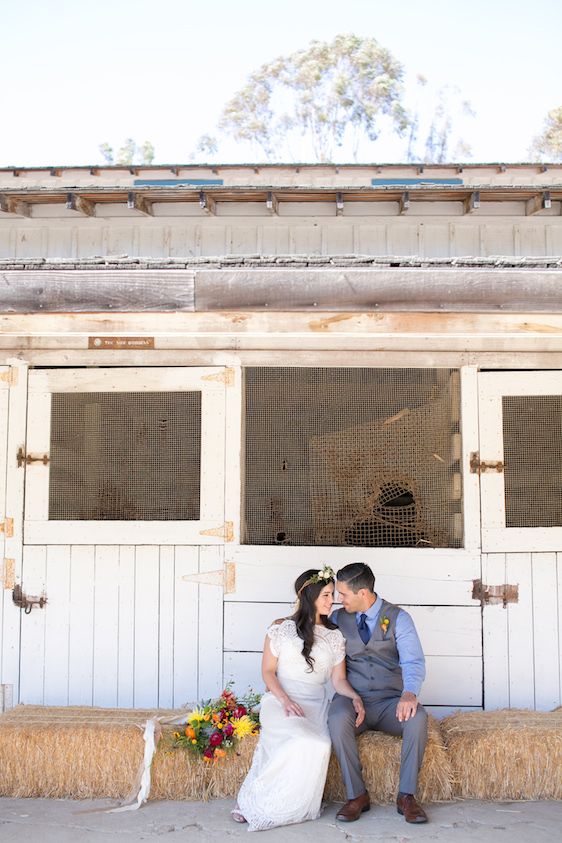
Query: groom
x: 386, y: 666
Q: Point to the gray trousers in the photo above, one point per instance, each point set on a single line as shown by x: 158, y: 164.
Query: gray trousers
x: 379, y: 717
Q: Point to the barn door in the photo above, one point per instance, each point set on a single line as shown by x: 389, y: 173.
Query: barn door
x: 124, y: 527
x: 520, y: 467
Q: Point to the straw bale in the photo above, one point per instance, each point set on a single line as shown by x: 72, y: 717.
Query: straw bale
x: 177, y: 774
x: 380, y: 758
x: 75, y: 752
x: 506, y: 754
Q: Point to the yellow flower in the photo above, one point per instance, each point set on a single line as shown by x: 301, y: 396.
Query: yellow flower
x: 196, y: 716
x: 243, y: 726
x: 193, y: 741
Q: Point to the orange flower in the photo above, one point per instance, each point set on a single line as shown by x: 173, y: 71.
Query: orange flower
x: 190, y: 732
x: 219, y: 753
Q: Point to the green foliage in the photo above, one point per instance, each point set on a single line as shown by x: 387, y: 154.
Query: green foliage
x: 548, y: 145
x: 130, y: 153
x: 327, y: 93
x: 438, y: 112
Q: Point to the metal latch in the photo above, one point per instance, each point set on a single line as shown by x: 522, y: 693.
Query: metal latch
x: 478, y: 466
x: 494, y: 594
x: 26, y: 602
x: 27, y: 459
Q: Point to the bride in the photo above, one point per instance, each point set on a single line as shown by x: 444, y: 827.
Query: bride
x: 301, y: 653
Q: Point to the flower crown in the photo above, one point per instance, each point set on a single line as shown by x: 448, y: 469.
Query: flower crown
x: 325, y: 575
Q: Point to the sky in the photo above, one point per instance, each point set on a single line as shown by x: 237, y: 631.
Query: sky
x: 76, y: 73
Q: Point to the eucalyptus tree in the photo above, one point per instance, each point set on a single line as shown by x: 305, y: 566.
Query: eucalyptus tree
x: 548, y: 145
x: 328, y: 94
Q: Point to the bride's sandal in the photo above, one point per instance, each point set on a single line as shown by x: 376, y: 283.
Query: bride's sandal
x: 237, y: 816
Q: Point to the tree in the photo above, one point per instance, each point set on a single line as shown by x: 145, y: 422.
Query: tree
x: 130, y: 153
x: 329, y: 93
x: 438, y: 112
x: 549, y: 143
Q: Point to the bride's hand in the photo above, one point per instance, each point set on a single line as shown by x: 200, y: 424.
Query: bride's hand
x: 292, y: 708
x: 359, y: 709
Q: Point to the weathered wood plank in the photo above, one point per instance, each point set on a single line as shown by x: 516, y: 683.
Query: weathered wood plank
x: 79, y: 291
x: 380, y: 289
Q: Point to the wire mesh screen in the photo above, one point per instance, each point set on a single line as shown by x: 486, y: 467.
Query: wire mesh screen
x: 128, y: 456
x: 366, y: 457
x: 532, y: 435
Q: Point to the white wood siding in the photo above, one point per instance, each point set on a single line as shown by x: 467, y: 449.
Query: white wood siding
x: 523, y: 640
x: 374, y: 229
x: 122, y: 626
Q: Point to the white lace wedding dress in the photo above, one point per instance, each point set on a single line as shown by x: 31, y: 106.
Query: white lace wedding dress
x: 286, y: 780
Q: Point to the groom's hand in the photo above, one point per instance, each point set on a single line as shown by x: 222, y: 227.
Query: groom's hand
x: 407, y: 706
x: 359, y: 710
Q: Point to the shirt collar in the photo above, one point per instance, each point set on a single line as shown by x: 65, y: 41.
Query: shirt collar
x: 373, y: 612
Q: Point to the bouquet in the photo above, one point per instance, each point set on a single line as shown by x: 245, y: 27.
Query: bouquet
x: 215, y: 726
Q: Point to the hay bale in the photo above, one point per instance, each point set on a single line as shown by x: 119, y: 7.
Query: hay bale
x: 380, y: 758
x: 177, y: 774
x: 75, y: 752
x: 507, y: 754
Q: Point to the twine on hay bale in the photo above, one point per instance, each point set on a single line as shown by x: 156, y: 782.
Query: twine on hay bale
x: 380, y: 759
x: 507, y: 754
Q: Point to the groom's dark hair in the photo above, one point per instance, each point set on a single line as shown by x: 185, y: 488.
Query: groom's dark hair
x: 357, y: 575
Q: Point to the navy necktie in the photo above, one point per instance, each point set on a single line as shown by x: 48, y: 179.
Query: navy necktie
x: 364, y: 629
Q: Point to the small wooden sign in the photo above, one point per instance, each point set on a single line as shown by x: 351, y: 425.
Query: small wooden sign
x: 120, y: 343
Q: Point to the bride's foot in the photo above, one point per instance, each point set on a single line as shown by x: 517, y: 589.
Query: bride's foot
x: 237, y: 816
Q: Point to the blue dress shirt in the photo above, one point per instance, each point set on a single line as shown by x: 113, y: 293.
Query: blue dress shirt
x: 410, y: 653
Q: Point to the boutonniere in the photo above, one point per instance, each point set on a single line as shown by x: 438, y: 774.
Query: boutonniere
x: 384, y: 624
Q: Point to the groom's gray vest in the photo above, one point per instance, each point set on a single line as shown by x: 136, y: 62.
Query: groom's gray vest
x: 373, y: 669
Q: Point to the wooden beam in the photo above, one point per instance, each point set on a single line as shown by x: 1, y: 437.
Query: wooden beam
x: 12, y: 205
x: 472, y: 202
x: 207, y: 203
x: 404, y: 203
x: 78, y: 203
x: 339, y: 204
x: 139, y: 203
x: 271, y: 203
x: 540, y: 202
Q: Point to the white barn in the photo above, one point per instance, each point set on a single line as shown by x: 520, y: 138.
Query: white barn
x: 212, y: 378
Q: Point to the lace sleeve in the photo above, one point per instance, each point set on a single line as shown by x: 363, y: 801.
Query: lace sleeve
x: 273, y: 635
x: 338, y: 646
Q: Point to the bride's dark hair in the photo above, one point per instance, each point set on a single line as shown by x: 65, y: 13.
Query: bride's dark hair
x: 304, y: 615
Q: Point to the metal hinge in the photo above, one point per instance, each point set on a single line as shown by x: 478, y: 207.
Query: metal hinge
x: 226, y: 377
x: 8, y: 575
x: 223, y: 577
x: 27, y: 459
x: 478, y: 466
x: 10, y: 377
x: 7, y: 527
x: 225, y: 531
x: 494, y: 594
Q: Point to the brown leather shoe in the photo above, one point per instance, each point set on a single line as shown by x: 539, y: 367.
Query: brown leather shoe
x: 353, y: 809
x: 409, y: 808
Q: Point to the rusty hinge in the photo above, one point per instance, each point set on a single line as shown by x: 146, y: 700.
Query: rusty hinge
x: 224, y: 577
x: 7, y: 527
x: 478, y: 466
x: 494, y: 594
x: 10, y: 377
x: 27, y: 459
x: 8, y: 575
x: 225, y: 531
x: 226, y: 377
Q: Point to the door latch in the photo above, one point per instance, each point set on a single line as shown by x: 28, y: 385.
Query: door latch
x: 27, y: 459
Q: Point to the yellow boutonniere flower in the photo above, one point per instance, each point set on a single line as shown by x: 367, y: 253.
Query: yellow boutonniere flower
x: 384, y: 625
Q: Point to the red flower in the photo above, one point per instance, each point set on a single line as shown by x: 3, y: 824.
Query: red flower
x: 208, y: 753
x: 239, y: 711
x: 216, y: 739
x: 228, y: 730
